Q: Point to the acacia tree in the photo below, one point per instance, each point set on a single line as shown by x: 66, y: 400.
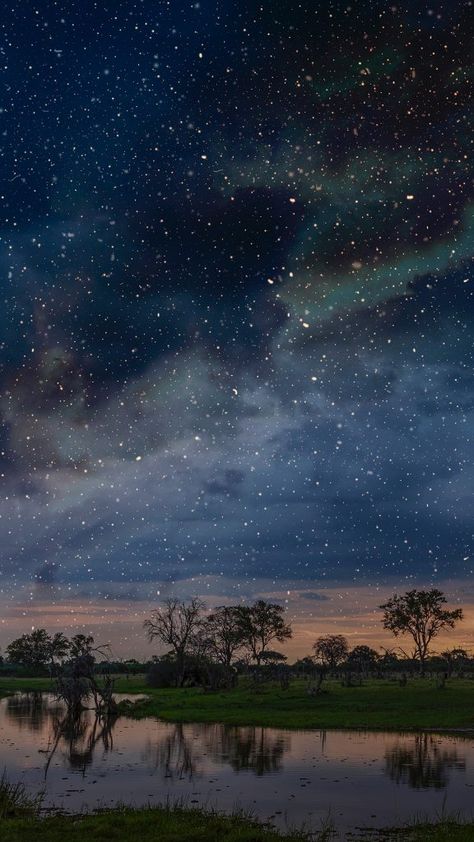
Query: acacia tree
x: 422, y: 616
x: 329, y: 651
x: 176, y: 624
x: 260, y: 624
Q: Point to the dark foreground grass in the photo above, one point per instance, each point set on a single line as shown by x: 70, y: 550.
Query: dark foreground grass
x: 15, y: 802
x: 177, y: 824
x: 379, y: 704
x: 21, y: 820
x: 146, y: 825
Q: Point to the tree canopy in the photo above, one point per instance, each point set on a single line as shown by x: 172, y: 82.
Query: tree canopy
x: 260, y: 624
x: 331, y: 650
x: 421, y: 615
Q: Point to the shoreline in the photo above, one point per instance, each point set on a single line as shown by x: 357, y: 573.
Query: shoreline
x: 376, y: 706
x: 169, y: 823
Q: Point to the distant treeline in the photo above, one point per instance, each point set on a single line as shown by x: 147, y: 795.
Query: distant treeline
x: 212, y: 648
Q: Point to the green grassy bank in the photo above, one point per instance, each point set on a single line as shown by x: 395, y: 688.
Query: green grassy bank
x: 178, y: 824
x: 376, y: 705
x: 147, y: 825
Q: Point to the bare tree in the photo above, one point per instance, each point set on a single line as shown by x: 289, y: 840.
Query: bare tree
x: 422, y: 615
x: 176, y: 624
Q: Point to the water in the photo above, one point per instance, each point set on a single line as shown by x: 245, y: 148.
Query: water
x: 287, y: 777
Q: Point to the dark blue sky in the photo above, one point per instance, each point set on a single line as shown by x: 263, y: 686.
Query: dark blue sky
x: 236, y: 324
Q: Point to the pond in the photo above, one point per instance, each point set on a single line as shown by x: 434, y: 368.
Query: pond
x: 287, y: 777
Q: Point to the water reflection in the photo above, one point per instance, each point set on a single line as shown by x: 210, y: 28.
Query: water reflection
x: 75, y: 738
x: 182, y: 751
x: 173, y: 754
x: 422, y: 763
x: 179, y: 753
x: 258, y: 749
x: 287, y: 777
x: 30, y: 710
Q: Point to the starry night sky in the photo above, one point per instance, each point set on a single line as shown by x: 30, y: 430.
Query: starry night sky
x: 236, y: 322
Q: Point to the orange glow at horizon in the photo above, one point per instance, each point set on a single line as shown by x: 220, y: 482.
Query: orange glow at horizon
x: 353, y: 613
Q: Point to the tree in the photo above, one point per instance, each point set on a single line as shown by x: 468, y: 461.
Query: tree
x: 76, y: 680
x: 59, y: 648
x: 422, y: 616
x: 176, y: 624
x: 455, y: 659
x: 260, y: 624
x: 304, y: 665
x: 363, y: 658
x: 271, y: 657
x: 223, y: 634
x: 82, y: 644
x: 330, y: 651
x: 37, y: 650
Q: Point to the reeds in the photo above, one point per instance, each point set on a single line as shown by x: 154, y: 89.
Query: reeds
x: 15, y: 801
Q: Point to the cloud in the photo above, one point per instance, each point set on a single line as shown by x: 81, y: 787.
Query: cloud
x: 231, y: 343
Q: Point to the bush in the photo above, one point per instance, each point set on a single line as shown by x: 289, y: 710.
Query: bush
x: 162, y: 674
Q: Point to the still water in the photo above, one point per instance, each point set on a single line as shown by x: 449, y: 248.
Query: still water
x: 287, y: 777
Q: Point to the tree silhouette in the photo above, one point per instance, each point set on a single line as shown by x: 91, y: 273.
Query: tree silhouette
x: 422, y: 615
x: 176, y: 624
x: 261, y: 624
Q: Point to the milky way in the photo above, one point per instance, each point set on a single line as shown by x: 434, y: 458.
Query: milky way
x: 236, y: 324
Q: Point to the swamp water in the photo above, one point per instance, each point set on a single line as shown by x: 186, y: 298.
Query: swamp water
x: 287, y: 777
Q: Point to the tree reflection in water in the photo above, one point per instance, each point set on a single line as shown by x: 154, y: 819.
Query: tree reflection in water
x: 181, y: 752
x: 174, y: 753
x: 422, y: 764
x: 75, y: 737
x: 257, y: 749
x: 29, y: 710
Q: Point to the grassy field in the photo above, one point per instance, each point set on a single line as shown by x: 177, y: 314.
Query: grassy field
x: 375, y: 705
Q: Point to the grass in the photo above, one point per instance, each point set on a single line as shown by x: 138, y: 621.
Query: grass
x: 16, y: 685
x: 377, y: 704
x: 153, y: 824
x: 15, y: 801
x: 175, y: 824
